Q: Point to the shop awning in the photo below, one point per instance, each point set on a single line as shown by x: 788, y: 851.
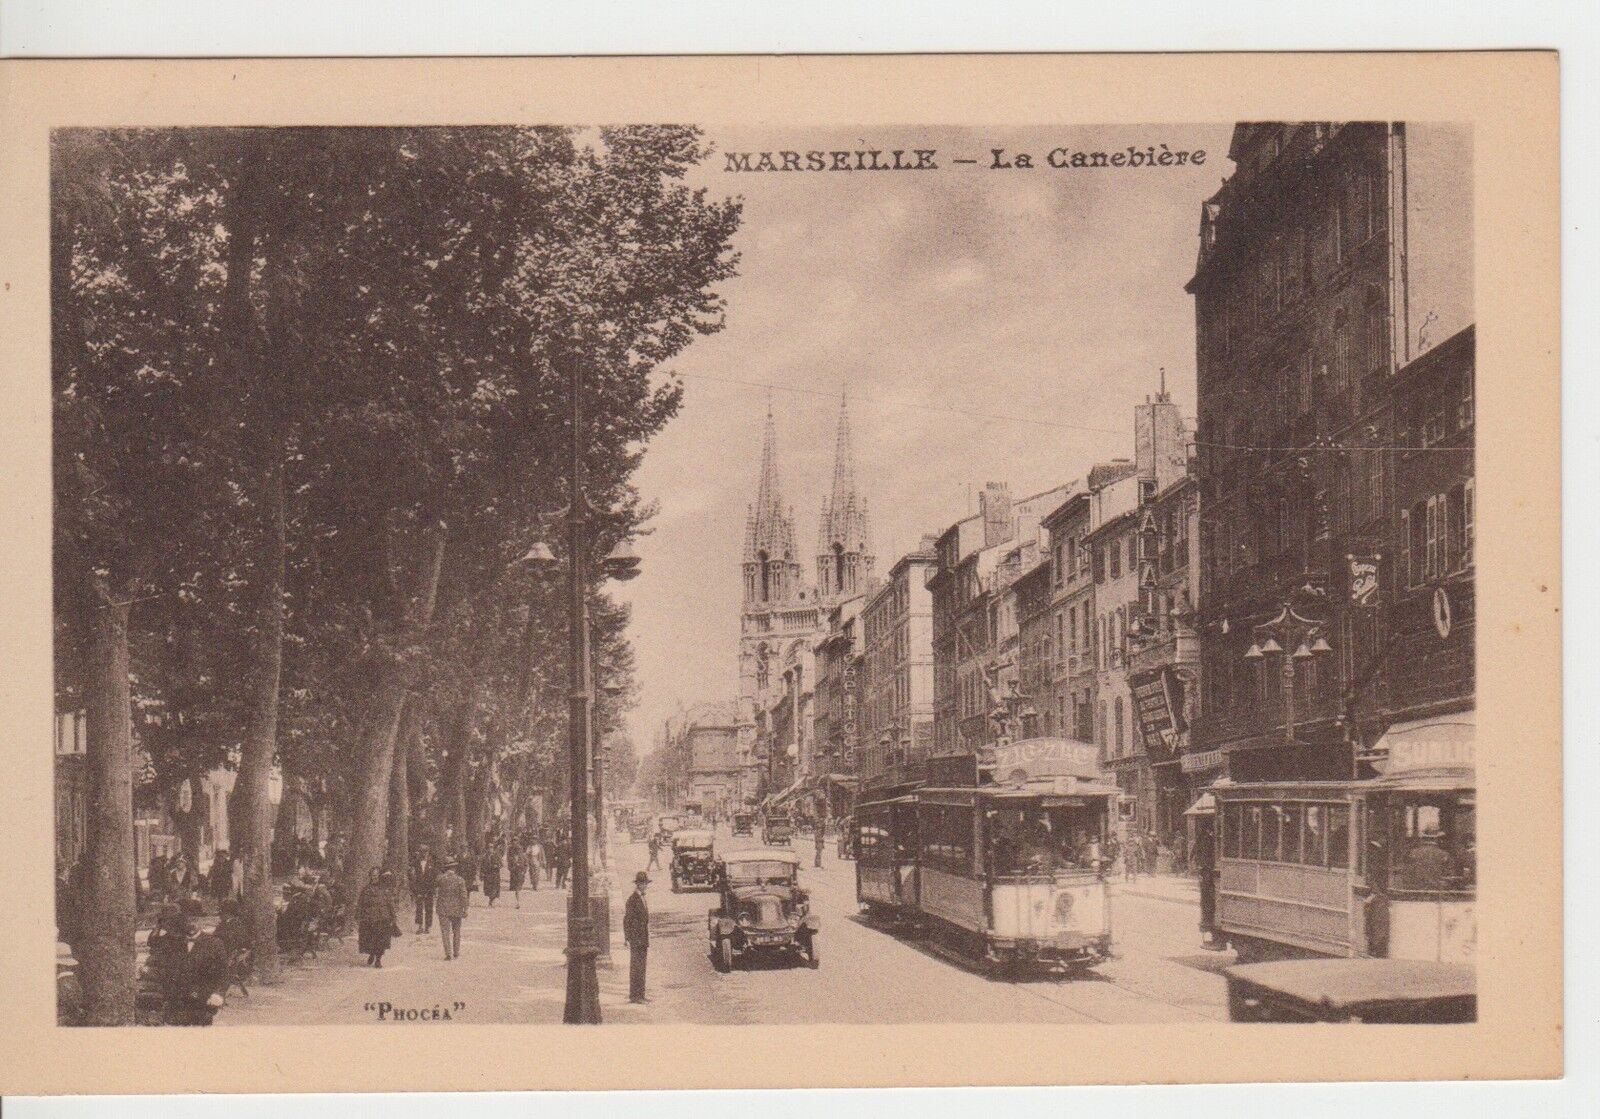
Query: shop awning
x: 1426, y: 753
x: 785, y: 795
x: 843, y: 780
x: 1204, y: 805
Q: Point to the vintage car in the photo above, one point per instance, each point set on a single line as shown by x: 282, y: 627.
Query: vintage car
x: 667, y: 824
x: 744, y: 823
x: 777, y: 829
x: 1352, y: 990
x: 639, y: 829
x: 694, y: 865
x: 763, y: 910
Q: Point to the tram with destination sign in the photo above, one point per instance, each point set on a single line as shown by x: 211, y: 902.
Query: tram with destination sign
x: 1381, y: 869
x: 1010, y: 874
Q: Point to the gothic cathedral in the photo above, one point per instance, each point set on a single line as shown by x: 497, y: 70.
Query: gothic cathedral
x: 782, y: 615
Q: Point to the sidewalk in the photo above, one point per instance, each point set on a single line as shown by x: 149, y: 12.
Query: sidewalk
x: 1180, y: 888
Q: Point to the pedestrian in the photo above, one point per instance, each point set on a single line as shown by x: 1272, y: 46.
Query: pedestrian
x: 563, y: 863
x: 491, y: 873
x: 375, y: 916
x: 423, y: 875
x: 220, y: 877
x: 536, y: 862
x: 518, y: 867
x: 820, y: 839
x: 157, y: 872
x: 655, y: 852
x: 450, y: 903
x: 636, y: 931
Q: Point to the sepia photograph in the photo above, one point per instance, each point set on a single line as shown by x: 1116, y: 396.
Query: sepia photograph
x: 1123, y: 673
x: 914, y: 580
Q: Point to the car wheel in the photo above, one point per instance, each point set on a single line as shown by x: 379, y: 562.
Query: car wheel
x: 725, y: 954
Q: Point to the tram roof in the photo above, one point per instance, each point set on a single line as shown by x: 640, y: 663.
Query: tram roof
x: 973, y: 793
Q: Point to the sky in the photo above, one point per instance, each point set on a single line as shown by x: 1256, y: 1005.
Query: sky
x: 986, y: 325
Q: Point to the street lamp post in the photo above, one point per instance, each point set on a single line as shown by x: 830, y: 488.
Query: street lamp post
x: 1305, y: 634
x: 583, y: 984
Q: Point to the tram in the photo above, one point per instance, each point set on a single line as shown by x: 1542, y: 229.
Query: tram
x: 1011, y: 875
x: 1383, y: 869
x: 886, y: 859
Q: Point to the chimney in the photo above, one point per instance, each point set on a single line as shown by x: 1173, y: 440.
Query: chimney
x: 995, y: 506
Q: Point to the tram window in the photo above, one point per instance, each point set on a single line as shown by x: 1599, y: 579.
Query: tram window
x: 1338, y: 836
x: 1271, y: 822
x: 1232, y: 826
x: 1290, y: 848
x: 904, y: 835
x: 1437, y: 845
x: 1315, y: 850
x: 947, y: 839
x: 1250, y: 841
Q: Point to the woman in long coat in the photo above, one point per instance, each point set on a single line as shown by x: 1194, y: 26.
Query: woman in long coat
x: 491, y: 873
x: 517, y: 866
x: 375, y: 917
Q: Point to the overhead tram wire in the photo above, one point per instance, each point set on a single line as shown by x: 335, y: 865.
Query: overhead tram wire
x: 1037, y: 422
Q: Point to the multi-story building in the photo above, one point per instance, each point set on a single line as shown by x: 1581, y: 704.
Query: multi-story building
x: 1164, y: 654
x: 1425, y: 669
x: 711, y: 747
x: 1035, y: 651
x: 896, y: 679
x: 1072, y: 678
x: 1112, y: 546
x: 836, y: 719
x: 1335, y: 256
x: 971, y: 708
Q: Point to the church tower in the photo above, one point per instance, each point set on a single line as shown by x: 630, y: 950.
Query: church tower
x: 771, y: 570
x: 844, y: 545
x: 779, y: 617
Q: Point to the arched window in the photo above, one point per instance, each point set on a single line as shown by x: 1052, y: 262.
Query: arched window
x: 838, y: 567
x: 1117, y: 709
x: 766, y: 577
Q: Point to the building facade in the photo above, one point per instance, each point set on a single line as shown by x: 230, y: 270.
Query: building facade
x: 1334, y: 257
x: 1073, y: 672
x: 897, y: 669
x: 973, y: 707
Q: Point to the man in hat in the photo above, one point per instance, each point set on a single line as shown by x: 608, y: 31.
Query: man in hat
x: 636, y: 931
x: 450, y: 906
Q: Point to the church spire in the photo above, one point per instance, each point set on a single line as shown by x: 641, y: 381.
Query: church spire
x: 844, y: 559
x: 772, y: 573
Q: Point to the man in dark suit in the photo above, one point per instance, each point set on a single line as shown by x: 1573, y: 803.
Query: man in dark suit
x: 636, y: 931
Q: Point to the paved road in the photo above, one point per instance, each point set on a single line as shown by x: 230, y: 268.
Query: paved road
x: 512, y: 969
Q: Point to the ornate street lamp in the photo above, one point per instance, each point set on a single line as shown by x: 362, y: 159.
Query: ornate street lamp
x: 583, y: 984
x: 1305, y: 634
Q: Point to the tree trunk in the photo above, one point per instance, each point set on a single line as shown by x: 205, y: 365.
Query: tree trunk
x: 254, y: 837
x: 370, y: 827
x: 460, y: 734
x: 107, y: 911
x: 399, y: 860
